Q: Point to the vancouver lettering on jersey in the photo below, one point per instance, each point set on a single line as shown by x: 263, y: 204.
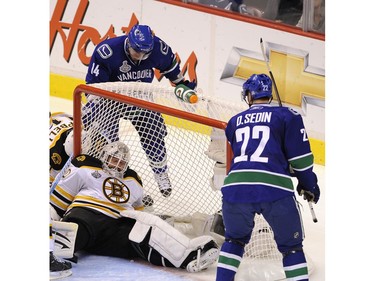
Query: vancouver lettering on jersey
x: 254, y: 118
x: 135, y: 75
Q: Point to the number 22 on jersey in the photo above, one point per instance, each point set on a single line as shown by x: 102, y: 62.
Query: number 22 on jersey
x: 244, y: 135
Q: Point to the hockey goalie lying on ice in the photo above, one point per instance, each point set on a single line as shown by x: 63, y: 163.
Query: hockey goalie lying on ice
x: 103, y: 197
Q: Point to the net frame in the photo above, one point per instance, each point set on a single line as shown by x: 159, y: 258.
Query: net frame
x: 86, y: 89
x: 255, y: 252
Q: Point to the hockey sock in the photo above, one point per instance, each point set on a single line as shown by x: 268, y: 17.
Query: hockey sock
x: 229, y: 261
x: 295, y: 266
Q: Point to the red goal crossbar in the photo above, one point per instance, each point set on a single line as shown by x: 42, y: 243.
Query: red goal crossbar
x: 82, y: 88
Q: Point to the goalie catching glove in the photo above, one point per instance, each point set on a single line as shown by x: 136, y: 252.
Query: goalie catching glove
x: 311, y: 194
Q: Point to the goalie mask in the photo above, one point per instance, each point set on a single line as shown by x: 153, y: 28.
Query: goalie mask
x: 140, y: 42
x: 115, y: 157
x: 258, y: 86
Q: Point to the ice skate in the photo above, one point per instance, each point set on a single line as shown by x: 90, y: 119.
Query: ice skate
x: 205, y: 257
x: 58, y: 268
x: 164, y: 184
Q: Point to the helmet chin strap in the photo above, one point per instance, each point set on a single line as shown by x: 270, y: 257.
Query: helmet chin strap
x: 142, y: 55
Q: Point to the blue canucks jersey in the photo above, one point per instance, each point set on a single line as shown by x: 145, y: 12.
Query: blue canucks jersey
x: 265, y: 140
x: 111, y: 62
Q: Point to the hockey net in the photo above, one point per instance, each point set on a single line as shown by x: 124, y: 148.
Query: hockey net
x: 189, y: 128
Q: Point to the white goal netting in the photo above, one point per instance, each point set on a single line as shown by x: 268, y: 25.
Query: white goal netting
x: 172, y: 137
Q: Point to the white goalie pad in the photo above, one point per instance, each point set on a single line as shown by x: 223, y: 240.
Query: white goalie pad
x: 201, y: 224
x: 64, y: 235
x: 194, y: 225
x: 217, y: 180
x: 168, y: 241
x: 217, y: 148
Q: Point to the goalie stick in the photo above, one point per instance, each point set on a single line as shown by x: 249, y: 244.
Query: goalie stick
x: 270, y: 72
x: 60, y: 174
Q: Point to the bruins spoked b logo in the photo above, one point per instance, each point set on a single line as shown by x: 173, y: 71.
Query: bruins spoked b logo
x: 115, y: 190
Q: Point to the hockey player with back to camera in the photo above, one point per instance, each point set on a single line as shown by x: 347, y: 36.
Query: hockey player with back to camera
x: 266, y: 141
x: 132, y: 58
x: 103, y: 197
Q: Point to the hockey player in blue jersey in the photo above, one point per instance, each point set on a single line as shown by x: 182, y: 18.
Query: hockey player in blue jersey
x: 131, y: 58
x: 267, y: 143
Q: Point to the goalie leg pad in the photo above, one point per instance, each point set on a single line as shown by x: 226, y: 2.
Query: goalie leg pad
x: 64, y: 234
x: 217, y: 148
x: 201, y: 223
x: 220, y: 172
x: 211, y: 225
x: 164, y: 238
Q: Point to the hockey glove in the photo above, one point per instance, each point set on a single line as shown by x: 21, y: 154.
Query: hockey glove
x: 192, y: 85
x: 311, y: 195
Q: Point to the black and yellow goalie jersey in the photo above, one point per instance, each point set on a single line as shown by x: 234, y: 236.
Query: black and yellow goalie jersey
x: 85, y: 184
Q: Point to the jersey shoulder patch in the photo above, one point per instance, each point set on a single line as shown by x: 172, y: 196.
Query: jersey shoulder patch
x: 86, y: 160
x: 104, y: 51
x: 293, y: 111
x: 163, y: 47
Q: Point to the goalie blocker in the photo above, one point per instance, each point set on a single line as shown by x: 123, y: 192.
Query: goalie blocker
x: 161, y: 244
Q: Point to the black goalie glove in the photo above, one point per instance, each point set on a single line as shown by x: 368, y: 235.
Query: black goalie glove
x: 311, y: 194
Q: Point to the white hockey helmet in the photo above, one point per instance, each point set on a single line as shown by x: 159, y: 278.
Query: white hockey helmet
x: 115, y: 157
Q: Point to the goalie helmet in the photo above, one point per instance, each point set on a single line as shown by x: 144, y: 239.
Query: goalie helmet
x: 258, y: 86
x: 140, y: 40
x: 115, y: 158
